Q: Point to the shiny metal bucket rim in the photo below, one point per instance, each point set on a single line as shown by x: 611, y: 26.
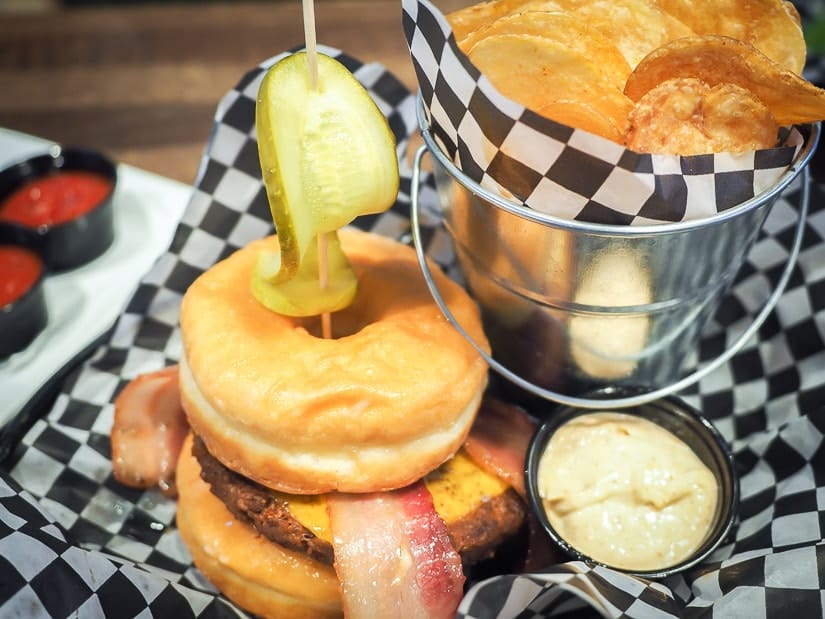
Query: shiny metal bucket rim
x: 799, y: 163
x: 642, y: 397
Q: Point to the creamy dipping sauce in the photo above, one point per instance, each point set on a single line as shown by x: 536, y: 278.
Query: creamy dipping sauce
x: 625, y: 491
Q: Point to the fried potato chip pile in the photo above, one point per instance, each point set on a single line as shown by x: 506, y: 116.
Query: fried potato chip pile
x: 675, y: 77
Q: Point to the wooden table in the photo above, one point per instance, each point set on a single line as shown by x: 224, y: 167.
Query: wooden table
x: 141, y: 82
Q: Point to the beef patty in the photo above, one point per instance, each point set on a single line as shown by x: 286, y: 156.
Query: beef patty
x: 475, y: 536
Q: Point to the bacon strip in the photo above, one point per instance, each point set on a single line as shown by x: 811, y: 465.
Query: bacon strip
x: 148, y: 431
x: 499, y: 439
x: 498, y: 443
x: 393, y: 556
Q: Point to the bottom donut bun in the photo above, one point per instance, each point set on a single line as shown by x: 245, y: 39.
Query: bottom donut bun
x: 273, y: 553
x: 251, y: 571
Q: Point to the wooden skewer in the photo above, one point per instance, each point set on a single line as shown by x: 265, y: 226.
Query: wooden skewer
x: 312, y: 70
x: 323, y: 279
x: 311, y: 43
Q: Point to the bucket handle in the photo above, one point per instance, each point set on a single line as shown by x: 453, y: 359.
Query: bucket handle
x: 633, y: 400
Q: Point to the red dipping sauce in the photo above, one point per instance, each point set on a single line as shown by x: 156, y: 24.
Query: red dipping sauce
x: 19, y: 270
x: 55, y: 199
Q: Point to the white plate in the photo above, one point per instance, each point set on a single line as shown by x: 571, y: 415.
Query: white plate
x: 85, y: 302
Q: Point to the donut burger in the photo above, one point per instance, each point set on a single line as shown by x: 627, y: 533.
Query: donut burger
x: 300, y: 443
x: 339, y: 472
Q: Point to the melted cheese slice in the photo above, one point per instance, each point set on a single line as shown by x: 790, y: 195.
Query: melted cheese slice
x: 458, y: 488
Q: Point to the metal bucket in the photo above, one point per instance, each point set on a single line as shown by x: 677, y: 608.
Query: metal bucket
x: 572, y: 306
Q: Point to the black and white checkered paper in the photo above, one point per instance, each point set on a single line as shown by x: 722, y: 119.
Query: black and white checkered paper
x: 74, y: 542
x: 569, y: 173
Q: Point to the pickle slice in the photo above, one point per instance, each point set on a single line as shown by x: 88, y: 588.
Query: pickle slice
x: 327, y: 156
x: 301, y: 295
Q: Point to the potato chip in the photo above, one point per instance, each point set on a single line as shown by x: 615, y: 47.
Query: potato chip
x: 564, y: 29
x: 686, y: 116
x: 584, y: 116
x: 537, y: 71
x: 470, y: 18
x: 791, y: 10
x: 717, y: 60
x: 550, y: 6
x: 772, y: 26
x: 637, y: 27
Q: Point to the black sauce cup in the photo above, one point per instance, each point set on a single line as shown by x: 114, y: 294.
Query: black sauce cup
x: 75, y: 242
x: 22, y: 320
x: 686, y: 424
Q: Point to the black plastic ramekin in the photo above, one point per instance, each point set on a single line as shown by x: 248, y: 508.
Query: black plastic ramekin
x: 72, y: 243
x: 23, y: 318
x: 686, y: 424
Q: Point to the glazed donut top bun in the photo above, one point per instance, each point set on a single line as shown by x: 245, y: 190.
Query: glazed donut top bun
x: 388, y: 399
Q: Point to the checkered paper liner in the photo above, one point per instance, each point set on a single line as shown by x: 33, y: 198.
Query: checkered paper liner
x: 569, y: 173
x: 74, y: 542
